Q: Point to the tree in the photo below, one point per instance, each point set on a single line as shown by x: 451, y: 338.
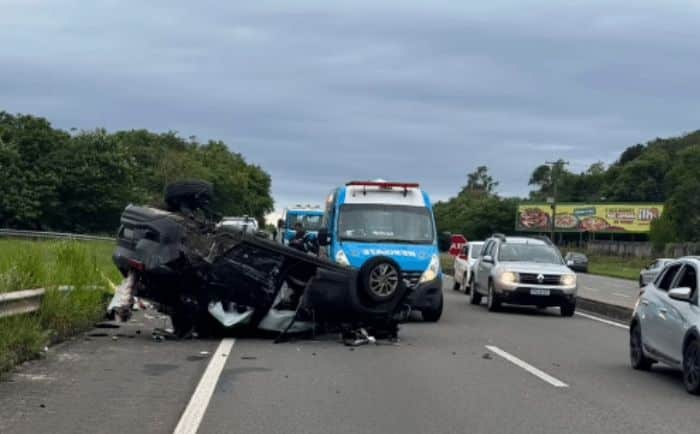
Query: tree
x: 480, y: 182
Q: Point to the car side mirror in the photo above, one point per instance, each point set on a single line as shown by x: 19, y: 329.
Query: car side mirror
x: 488, y: 259
x: 681, y: 294
x: 324, y: 237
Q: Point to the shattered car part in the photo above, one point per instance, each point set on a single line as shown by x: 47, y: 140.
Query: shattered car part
x: 205, y: 278
x: 123, y: 300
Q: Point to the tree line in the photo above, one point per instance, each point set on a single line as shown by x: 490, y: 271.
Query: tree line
x: 662, y: 170
x: 52, y: 179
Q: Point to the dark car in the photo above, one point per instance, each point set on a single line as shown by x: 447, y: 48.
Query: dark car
x: 577, y: 261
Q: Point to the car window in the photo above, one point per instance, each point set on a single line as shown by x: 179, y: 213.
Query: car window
x: 475, y: 250
x: 666, y: 278
x: 688, y: 278
x: 487, y: 248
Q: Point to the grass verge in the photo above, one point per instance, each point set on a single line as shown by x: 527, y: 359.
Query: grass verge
x: 447, y: 263
x: 86, y: 266
x: 615, y: 266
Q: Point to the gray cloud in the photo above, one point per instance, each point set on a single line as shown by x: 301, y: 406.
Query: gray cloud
x: 320, y: 92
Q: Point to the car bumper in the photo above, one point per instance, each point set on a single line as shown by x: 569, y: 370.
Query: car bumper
x: 426, y: 295
x: 556, y: 296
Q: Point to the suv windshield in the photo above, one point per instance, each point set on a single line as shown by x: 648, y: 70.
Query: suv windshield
x: 310, y: 222
x: 386, y: 223
x: 529, y: 253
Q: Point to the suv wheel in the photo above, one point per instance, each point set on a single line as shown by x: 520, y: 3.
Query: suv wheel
x: 468, y: 286
x: 433, y: 313
x: 455, y: 285
x: 474, y: 295
x: 637, y: 358
x: 494, y: 303
x: 381, y: 279
x: 691, y: 367
x: 567, y: 309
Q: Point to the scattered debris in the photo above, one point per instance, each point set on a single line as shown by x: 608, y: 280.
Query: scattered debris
x: 106, y: 325
x: 249, y: 358
x: 486, y: 356
x: 204, y: 353
x: 98, y: 335
x: 115, y: 338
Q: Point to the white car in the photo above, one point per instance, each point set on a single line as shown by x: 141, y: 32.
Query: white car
x: 464, y: 266
x: 244, y: 224
x: 649, y: 273
x: 665, y: 324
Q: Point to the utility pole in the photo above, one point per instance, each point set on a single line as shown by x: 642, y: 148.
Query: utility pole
x: 556, y: 167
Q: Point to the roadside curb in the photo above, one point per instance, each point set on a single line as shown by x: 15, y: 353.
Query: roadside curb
x: 611, y: 311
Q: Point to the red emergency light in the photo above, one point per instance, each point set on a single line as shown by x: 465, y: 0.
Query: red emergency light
x: 384, y: 185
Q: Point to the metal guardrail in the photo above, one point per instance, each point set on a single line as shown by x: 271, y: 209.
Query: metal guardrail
x: 19, y: 302
x: 15, y: 233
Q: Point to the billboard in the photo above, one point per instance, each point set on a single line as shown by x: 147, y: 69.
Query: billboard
x: 588, y: 217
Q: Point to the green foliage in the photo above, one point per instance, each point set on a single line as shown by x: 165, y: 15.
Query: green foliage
x: 82, y: 182
x: 476, y: 213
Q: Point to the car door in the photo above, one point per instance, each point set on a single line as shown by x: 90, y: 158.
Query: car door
x: 678, y: 313
x: 655, y: 309
x: 483, y: 268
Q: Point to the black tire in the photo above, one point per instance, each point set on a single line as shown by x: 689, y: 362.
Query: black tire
x: 493, y: 302
x: 434, y: 313
x: 691, y: 367
x: 638, y: 359
x: 468, y: 286
x: 474, y: 296
x: 641, y: 282
x: 381, y: 279
x: 191, y: 194
x: 567, y: 309
x: 455, y: 286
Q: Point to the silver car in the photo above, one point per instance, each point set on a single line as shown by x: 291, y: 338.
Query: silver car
x: 649, y: 273
x: 665, y: 324
x: 526, y: 271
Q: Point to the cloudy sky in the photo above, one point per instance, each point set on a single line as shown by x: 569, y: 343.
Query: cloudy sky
x: 321, y: 92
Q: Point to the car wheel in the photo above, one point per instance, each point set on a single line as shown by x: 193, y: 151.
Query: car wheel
x: 192, y: 194
x: 381, y: 279
x: 691, y: 367
x: 468, y: 286
x: 434, y: 313
x: 456, y: 285
x: 493, y: 303
x: 474, y: 296
x: 567, y: 309
x: 641, y: 281
x: 638, y: 360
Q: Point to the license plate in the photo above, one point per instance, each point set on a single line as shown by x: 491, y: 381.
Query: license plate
x: 534, y: 291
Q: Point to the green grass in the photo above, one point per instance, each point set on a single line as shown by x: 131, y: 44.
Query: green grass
x: 447, y: 263
x: 84, y: 265
x: 615, y: 266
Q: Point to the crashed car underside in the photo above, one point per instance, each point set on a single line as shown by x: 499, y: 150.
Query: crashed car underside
x: 206, y: 278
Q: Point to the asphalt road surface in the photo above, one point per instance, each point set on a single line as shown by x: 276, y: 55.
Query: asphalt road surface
x: 517, y: 371
x: 621, y: 292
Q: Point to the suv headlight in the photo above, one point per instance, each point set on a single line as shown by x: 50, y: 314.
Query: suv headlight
x: 432, y: 271
x: 568, y: 279
x: 341, y: 258
x: 508, y: 277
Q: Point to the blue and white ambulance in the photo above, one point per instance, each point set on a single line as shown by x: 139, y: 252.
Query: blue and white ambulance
x: 309, y: 216
x: 387, y: 231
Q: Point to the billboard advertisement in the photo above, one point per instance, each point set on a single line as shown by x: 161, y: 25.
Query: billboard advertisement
x: 588, y: 217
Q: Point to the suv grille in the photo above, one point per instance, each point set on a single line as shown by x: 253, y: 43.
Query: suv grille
x: 411, y: 278
x: 531, y: 278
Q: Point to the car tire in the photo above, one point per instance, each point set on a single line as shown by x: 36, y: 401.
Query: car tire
x: 638, y: 359
x: 641, y: 281
x: 691, y: 367
x: 381, y: 279
x: 493, y: 302
x: 567, y: 309
x: 474, y: 296
x: 433, y: 313
x: 455, y: 285
x: 192, y: 194
x: 468, y: 286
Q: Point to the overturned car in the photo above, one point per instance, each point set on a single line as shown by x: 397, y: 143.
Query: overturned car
x: 207, y: 276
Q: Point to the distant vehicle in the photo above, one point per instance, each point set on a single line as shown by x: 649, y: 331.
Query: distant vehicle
x: 665, y: 323
x: 464, y: 266
x: 245, y: 224
x: 577, y: 261
x: 309, y: 216
x: 387, y: 231
x: 526, y: 271
x: 649, y: 273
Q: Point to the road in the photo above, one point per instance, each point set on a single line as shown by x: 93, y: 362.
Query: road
x: 621, y: 292
x: 520, y: 370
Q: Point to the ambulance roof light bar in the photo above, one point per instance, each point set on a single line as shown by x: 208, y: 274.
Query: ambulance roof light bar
x: 383, y: 185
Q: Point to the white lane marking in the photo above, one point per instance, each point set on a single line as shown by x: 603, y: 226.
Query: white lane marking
x: 621, y: 295
x: 193, y: 414
x: 526, y: 366
x: 604, y: 321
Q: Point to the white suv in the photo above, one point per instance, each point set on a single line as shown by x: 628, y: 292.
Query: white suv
x: 526, y: 271
x: 464, y: 265
x: 665, y: 324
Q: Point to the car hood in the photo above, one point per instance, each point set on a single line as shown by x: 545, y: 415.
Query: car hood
x: 410, y: 257
x: 534, y: 267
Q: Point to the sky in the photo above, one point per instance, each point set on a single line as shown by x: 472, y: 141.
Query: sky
x: 322, y: 92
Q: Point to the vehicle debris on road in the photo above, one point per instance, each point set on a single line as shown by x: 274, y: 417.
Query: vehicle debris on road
x: 207, y: 277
